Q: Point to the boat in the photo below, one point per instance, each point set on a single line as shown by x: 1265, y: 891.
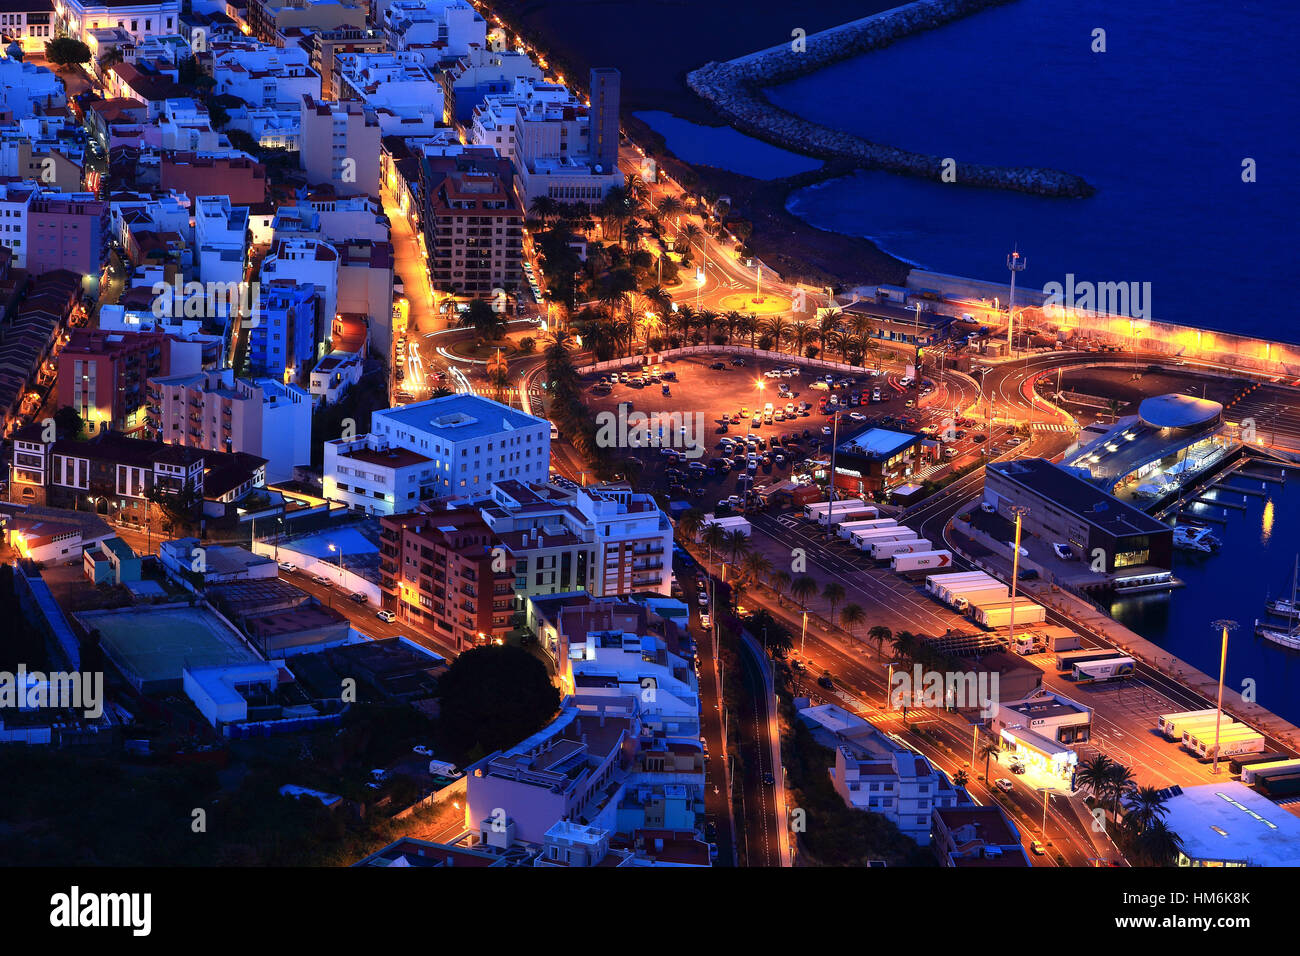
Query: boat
x: 1288, y: 637
x: 1192, y: 538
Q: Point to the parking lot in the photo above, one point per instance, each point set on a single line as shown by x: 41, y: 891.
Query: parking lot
x: 721, y: 404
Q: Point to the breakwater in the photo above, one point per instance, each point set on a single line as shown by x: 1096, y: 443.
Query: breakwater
x: 735, y: 89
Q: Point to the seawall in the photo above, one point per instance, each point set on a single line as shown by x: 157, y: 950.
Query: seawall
x: 735, y: 87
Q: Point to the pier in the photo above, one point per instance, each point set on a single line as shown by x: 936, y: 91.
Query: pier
x: 1240, y: 506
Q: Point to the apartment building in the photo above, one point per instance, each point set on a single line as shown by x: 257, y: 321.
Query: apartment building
x: 455, y: 445
x: 333, y: 375
x: 398, y: 87
x: 324, y: 45
x: 436, y: 30
x: 221, y: 234
x: 300, y: 259
x: 969, y: 836
x: 481, y: 73
x: 67, y: 231
x: 285, y: 336
x: 442, y: 572
x: 104, y: 375
x: 473, y: 224
x: 30, y: 22
x: 216, y: 411
x: 876, y: 774
x: 271, y: 20
x: 27, y: 89
x: 340, y: 145
x: 15, y: 205
x: 262, y: 75
x: 238, y: 177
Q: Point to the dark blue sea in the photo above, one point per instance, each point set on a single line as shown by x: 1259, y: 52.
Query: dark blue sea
x: 1160, y: 123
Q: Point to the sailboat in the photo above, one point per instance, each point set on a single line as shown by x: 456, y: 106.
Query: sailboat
x: 1289, y: 637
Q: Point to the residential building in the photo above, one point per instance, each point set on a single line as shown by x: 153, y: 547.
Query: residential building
x: 30, y: 22
x: 271, y: 20
x: 262, y: 75
x: 104, y: 375
x: 324, y: 45
x: 15, y: 206
x: 221, y: 236
x: 340, y: 146
x: 238, y: 177
x: 284, y: 338
x: 27, y: 89
x: 436, y: 30
x: 398, y: 87
x: 455, y: 445
x: 141, y: 19
x: 473, y: 224
x: 971, y: 836
x: 67, y: 231
x: 216, y: 411
x: 333, y: 375
x: 480, y: 73
x: 301, y: 259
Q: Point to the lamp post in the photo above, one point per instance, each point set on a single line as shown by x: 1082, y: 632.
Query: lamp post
x: 340, y: 554
x: 1019, y: 511
x: 1224, y: 625
x: 1015, y: 263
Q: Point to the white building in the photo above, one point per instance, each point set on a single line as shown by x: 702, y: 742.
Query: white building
x: 15, y: 201
x: 340, y: 145
x: 141, y: 20
x: 333, y: 375
x: 481, y: 73
x: 26, y: 89
x: 218, y: 412
x: 221, y: 236
x: 264, y: 75
x: 437, y: 30
x: 305, y: 260
x: 405, y: 97
x: 452, y: 446
x: 270, y: 127
x: 876, y: 774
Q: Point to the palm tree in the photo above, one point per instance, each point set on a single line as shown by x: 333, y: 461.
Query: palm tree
x: 802, y: 588
x: 755, y: 565
x: 1095, y: 775
x: 961, y: 778
x: 713, y: 537
x: 748, y: 325
x: 1159, y: 845
x: 544, y: 208
x: 780, y: 581
x: 691, y: 233
x: 852, y: 616
x: 988, y: 750
x: 689, y: 524
x: 833, y: 592
x: 905, y: 645
x: 828, y: 323
x: 777, y: 328
x: 737, y: 542
x: 669, y: 208
x: 1120, y: 783
x: 879, y: 633
x: 801, y: 333
x: 1143, y: 807
x: 732, y: 320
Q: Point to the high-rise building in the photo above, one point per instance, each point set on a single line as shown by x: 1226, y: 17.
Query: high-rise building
x: 605, y: 85
x: 473, y: 224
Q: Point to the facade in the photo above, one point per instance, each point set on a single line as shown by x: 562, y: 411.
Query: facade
x: 269, y: 20
x: 1065, y: 508
x: 284, y: 338
x: 481, y: 73
x: 263, y: 75
x: 398, y: 87
x: 969, y: 836
x: 875, y: 459
x: 27, y: 89
x: 333, y: 375
x: 324, y: 45
x: 473, y: 224
x: 237, y: 177
x: 435, y: 30
x: 221, y: 235
x: 140, y: 19
x: 216, y: 411
x: 457, y: 445
x: 67, y: 231
x: 104, y: 375
x: 15, y: 203
x: 30, y: 22
x: 340, y: 146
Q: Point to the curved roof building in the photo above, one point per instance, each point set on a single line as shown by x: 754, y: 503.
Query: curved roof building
x: 1179, y: 411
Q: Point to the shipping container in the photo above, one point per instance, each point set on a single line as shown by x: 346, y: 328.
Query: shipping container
x: 813, y: 508
x: 937, y: 583
x: 884, y: 550
x: 1064, y: 642
x: 1168, y: 724
x: 994, y: 594
x: 863, y: 540
x: 1241, y: 740
x: 920, y: 560
x: 950, y: 591
x: 1067, y: 660
x: 1200, y: 731
x: 851, y: 510
x: 1112, y: 668
x: 819, y: 509
x: 1258, y: 761
x: 995, y: 616
x: 1189, y: 728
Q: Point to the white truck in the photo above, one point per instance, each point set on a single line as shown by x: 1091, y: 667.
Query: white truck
x: 981, y: 593
x: 1170, y: 725
x: 884, y: 550
x: 1233, y: 741
x: 818, y: 509
x: 994, y: 613
x: 728, y: 524
x: 942, y: 585
x: 846, y: 528
x: 863, y: 540
x: 852, y: 510
x: 920, y: 560
x: 1111, y: 668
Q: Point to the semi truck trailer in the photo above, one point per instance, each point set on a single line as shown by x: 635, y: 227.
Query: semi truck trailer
x: 846, y: 528
x: 1168, y: 724
x: 1067, y: 660
x: 1112, y: 668
x: 884, y: 550
x: 920, y: 560
x: 996, y: 615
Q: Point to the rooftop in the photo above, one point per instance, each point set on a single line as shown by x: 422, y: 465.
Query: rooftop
x: 1178, y: 411
x: 1073, y: 494
x: 458, y: 418
x: 1230, y: 822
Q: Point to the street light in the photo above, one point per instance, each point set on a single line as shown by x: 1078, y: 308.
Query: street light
x: 1019, y: 511
x: 1225, y: 625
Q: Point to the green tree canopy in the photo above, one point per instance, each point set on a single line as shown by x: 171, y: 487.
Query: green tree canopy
x: 493, y: 697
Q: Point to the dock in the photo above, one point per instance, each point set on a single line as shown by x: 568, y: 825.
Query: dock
x: 1256, y: 492
x: 1240, y: 506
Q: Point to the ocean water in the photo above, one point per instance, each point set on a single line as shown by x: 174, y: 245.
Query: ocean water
x: 1160, y: 123
x: 725, y: 148
x: 1254, y: 564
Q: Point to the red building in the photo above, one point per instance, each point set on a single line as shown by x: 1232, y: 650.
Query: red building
x: 243, y: 180
x: 104, y: 375
x: 436, y: 571
x: 67, y: 231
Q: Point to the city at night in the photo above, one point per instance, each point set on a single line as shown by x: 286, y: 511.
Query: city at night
x: 703, y: 434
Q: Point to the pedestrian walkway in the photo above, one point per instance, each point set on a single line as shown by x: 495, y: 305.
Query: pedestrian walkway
x: 1053, y: 427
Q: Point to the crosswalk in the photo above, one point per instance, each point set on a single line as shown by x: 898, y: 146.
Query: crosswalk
x: 1052, y: 427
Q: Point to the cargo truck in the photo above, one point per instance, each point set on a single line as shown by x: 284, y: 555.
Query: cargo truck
x: 813, y: 508
x: 995, y: 615
x: 920, y: 560
x: 1258, y: 761
x: 1112, y: 668
x: 1282, y: 786
x: 884, y: 550
x: 949, y: 593
x: 1252, y: 772
x: 1067, y: 660
x: 842, y: 506
x: 1192, y: 730
x: 1064, y: 642
x: 963, y: 600
x: 1239, y: 740
x: 936, y: 584
x: 863, y: 540
x: 853, y: 510
x: 846, y: 528
x: 1169, y: 724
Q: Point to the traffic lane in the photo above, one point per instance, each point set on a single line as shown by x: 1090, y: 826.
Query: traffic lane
x: 762, y: 846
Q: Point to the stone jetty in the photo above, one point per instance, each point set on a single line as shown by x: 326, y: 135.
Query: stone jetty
x: 735, y: 88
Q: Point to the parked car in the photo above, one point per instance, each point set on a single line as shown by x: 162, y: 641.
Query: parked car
x: 1003, y: 784
x: 385, y: 615
x: 1063, y: 551
x: 359, y: 598
x: 423, y: 751
x: 322, y: 580
x: 288, y: 566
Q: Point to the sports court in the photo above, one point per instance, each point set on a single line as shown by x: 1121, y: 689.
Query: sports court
x: 151, y: 646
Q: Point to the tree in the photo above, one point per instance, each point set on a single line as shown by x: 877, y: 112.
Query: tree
x: 1143, y: 807
x: 802, y: 588
x: 852, y: 615
x: 987, y: 750
x: 961, y: 778
x: 1158, y: 845
x: 689, y: 523
x: 485, y: 320
x: 493, y: 697
x: 776, y: 637
x: 780, y: 581
x: 713, y: 537
x: 833, y: 592
x: 1094, y: 775
x: 64, y: 52
x: 68, y: 423
x: 755, y: 565
x: 1119, y: 784
x: 879, y: 633
x: 737, y: 542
